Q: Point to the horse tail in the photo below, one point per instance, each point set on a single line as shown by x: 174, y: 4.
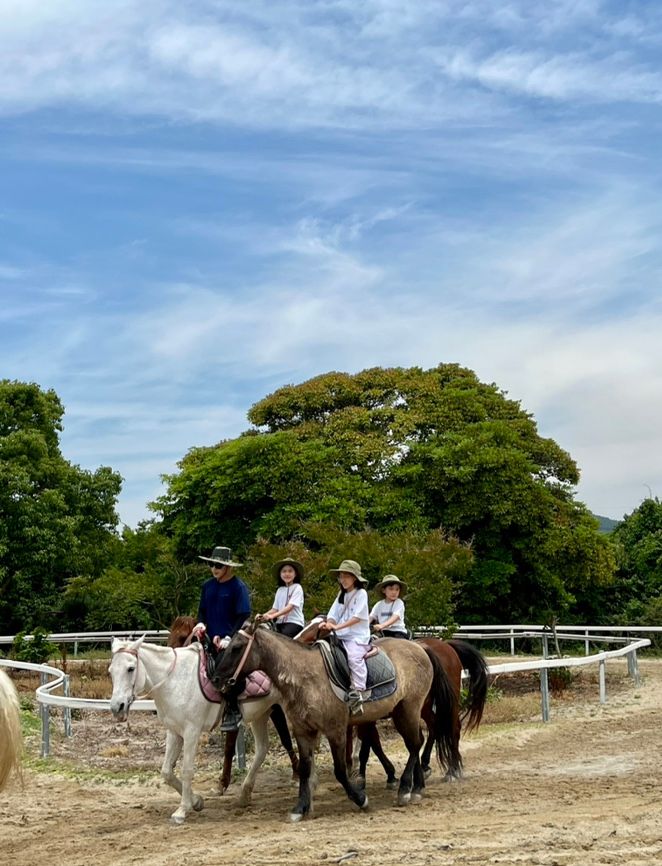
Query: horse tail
x: 445, y: 710
x: 11, y: 742
x: 474, y: 662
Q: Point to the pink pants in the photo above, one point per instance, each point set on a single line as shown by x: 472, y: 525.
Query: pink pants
x: 355, y: 656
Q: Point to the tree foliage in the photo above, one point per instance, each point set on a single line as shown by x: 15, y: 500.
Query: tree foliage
x: 401, y: 450
x: 56, y: 519
x: 639, y: 537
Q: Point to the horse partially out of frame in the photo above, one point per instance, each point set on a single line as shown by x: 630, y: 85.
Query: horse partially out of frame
x: 180, y: 635
x: 454, y: 656
x: 11, y: 740
x: 169, y: 677
x: 313, y: 709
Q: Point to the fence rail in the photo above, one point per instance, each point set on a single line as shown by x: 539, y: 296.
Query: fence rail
x: 589, y: 634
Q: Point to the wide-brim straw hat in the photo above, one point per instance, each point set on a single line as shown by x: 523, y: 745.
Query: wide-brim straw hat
x: 390, y: 580
x: 221, y: 556
x: 352, y: 567
x: 296, y: 565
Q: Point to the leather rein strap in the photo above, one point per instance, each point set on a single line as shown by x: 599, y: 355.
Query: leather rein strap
x: 242, y: 661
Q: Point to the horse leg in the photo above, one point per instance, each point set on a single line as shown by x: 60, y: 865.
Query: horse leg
x: 426, y: 714
x: 305, y: 744
x: 228, y: 757
x: 375, y: 744
x: 407, y: 722
x: 189, y: 799
x: 454, y: 769
x: 280, y: 723
x: 172, y: 752
x: 338, y: 744
x: 260, y: 730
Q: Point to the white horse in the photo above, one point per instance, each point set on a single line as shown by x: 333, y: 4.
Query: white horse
x: 170, y: 678
x: 11, y: 741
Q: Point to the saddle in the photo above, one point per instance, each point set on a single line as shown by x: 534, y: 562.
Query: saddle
x: 257, y: 684
x: 380, y: 682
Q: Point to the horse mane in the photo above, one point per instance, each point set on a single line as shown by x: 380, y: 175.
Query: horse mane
x: 181, y: 628
x: 11, y: 741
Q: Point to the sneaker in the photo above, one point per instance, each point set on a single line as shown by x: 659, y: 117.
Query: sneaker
x: 231, y: 719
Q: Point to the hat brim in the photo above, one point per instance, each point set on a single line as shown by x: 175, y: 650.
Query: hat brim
x: 359, y: 577
x: 381, y: 586
x: 296, y: 565
x: 221, y: 562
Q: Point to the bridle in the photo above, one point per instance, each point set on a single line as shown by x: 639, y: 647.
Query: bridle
x: 145, y: 695
x: 250, y: 638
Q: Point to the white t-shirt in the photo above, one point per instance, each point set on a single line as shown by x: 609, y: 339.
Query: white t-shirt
x: 292, y: 594
x: 355, y: 604
x: 384, y: 610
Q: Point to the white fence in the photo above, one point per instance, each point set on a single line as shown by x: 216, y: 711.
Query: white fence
x: 588, y: 634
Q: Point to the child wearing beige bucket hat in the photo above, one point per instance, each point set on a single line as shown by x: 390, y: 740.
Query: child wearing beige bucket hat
x: 348, y: 618
x: 388, y: 615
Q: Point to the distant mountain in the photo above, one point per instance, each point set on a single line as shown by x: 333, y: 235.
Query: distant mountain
x: 606, y: 523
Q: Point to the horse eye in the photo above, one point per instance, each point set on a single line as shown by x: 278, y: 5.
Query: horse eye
x: 131, y: 669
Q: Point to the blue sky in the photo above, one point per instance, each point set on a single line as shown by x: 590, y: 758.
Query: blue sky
x: 202, y: 201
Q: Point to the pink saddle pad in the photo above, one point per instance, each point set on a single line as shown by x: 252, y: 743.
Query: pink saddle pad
x: 258, y: 684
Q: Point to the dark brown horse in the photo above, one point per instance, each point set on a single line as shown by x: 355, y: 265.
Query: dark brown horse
x: 180, y: 634
x: 313, y: 708
x: 454, y: 656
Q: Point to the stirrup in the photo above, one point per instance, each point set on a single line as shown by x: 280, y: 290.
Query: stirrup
x: 231, y: 720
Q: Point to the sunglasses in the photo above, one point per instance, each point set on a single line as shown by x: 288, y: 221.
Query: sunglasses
x: 218, y: 565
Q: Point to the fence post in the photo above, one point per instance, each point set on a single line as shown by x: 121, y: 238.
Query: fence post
x: 45, y: 718
x: 67, y: 710
x: 512, y: 641
x: 603, y: 684
x: 587, y: 647
x: 544, y: 682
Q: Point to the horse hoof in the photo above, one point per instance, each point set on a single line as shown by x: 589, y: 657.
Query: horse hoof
x: 364, y: 804
x: 404, y: 799
x: 427, y: 772
x: 295, y: 817
x: 450, y: 777
x: 176, y: 819
x: 416, y: 798
x: 391, y: 784
x: 198, y: 804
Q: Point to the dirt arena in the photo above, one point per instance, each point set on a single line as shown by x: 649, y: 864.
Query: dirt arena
x: 583, y: 790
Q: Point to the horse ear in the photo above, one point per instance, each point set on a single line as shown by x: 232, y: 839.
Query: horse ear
x: 250, y: 625
x: 140, y: 641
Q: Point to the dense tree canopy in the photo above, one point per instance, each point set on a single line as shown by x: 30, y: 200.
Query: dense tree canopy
x: 402, y: 450
x: 639, y: 537
x: 56, y: 520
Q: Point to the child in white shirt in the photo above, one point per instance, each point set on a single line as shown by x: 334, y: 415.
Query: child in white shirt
x: 388, y: 615
x: 348, y: 618
x: 287, y: 609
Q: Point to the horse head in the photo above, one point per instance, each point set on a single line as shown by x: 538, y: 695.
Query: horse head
x: 127, y: 675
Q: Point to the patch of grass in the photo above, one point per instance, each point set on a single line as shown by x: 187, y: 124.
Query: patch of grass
x: 59, y: 767
x: 30, y: 723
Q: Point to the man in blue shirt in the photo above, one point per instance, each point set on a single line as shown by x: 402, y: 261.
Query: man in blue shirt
x: 224, y: 607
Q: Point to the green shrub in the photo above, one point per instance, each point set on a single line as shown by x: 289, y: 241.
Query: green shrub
x: 36, y: 649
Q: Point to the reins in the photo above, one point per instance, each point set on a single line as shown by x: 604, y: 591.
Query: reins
x: 242, y: 661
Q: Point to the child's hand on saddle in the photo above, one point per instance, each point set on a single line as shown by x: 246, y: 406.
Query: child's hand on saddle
x: 327, y: 626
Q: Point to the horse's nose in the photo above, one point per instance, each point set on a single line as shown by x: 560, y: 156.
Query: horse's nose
x: 120, y: 710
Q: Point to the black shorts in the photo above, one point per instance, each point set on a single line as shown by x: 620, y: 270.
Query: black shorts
x: 289, y: 629
x: 388, y: 633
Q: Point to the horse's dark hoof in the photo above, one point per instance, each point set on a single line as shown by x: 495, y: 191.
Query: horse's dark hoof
x: 391, y: 784
x: 427, y: 772
x: 364, y: 804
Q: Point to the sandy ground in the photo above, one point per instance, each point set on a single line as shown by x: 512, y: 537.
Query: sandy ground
x: 583, y: 790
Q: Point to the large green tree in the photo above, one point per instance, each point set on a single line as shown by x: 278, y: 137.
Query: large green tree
x: 56, y: 519
x: 639, y: 591
x: 402, y: 450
